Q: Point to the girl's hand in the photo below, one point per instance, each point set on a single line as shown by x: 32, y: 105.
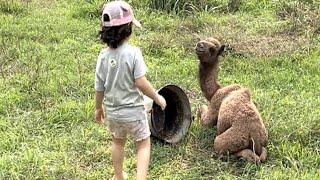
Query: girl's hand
x: 161, y: 102
x: 99, y: 116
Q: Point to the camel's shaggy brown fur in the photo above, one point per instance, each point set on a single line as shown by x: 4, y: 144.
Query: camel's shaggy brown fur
x: 240, y: 129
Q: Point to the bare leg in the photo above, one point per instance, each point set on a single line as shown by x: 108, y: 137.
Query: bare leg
x: 117, y: 157
x: 143, y: 158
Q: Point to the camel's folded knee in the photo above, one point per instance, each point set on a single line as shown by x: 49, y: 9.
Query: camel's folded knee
x: 206, y: 118
x: 220, y: 147
x: 202, y: 111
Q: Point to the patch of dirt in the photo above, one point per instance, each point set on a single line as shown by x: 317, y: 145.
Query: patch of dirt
x: 267, y: 46
x: 301, y: 15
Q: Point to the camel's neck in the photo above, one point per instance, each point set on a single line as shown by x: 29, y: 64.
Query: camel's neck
x: 208, y: 75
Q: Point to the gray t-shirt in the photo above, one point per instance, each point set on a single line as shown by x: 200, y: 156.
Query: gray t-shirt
x: 116, y: 72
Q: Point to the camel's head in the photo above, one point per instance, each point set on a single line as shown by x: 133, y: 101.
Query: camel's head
x: 209, y: 50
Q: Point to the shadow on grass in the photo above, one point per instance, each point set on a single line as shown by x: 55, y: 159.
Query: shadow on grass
x: 194, y: 157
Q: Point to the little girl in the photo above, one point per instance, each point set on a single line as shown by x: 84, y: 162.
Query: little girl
x: 119, y: 81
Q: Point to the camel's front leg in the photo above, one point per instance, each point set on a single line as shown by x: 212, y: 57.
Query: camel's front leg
x: 209, y: 115
x: 207, y: 118
x: 263, y: 156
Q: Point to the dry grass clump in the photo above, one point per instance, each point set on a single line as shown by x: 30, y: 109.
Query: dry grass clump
x: 268, y: 46
x: 302, y: 17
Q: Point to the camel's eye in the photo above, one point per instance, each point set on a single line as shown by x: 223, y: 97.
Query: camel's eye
x: 212, y: 50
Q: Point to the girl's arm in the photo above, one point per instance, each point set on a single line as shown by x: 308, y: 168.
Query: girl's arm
x: 99, y: 114
x: 145, y: 86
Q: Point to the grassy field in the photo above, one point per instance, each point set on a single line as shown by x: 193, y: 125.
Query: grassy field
x: 48, y: 51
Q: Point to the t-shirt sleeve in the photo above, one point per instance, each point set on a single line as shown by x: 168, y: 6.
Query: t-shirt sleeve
x: 140, y: 68
x: 99, y: 80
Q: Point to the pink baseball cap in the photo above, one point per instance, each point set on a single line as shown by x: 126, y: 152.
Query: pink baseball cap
x: 117, y: 13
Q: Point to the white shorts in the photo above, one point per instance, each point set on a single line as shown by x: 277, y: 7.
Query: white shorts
x: 139, y: 130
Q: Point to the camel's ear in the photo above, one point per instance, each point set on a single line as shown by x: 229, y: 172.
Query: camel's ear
x: 198, y: 39
x: 221, y: 49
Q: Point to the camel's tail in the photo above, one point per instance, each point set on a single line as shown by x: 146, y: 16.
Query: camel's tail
x: 258, y: 149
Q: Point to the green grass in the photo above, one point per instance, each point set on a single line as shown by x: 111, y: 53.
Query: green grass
x: 48, y: 51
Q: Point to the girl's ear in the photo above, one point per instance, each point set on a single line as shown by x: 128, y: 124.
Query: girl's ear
x: 221, y: 49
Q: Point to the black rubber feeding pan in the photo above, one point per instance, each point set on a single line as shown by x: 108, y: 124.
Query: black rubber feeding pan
x: 172, y: 124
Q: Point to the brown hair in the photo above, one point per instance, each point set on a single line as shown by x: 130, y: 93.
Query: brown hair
x: 115, y: 35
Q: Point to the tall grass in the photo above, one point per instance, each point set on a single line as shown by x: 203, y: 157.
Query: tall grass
x: 301, y: 16
x: 12, y: 7
x: 183, y: 6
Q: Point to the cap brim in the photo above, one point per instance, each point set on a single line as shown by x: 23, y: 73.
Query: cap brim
x: 136, y: 23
